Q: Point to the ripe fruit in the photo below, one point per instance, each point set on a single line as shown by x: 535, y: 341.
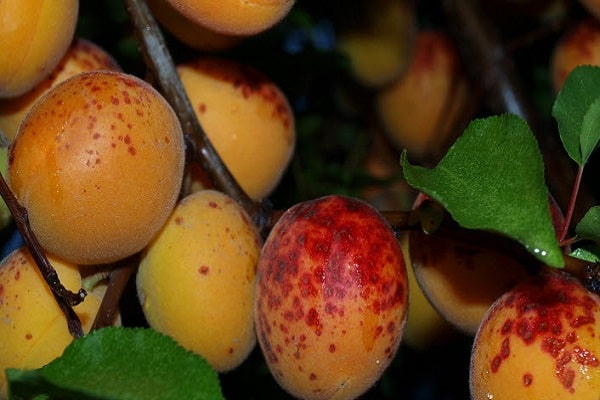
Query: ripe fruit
x: 246, y: 117
x: 579, y: 45
x: 331, y: 298
x: 539, y: 341
x: 196, y: 279
x: 83, y: 55
x: 462, y: 279
x: 427, y: 106
x: 189, y: 32
x: 34, y: 36
x: 98, y: 163
x: 32, y: 326
x: 234, y: 17
x: 379, y: 50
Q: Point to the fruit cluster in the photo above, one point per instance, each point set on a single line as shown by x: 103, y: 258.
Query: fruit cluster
x: 174, y: 203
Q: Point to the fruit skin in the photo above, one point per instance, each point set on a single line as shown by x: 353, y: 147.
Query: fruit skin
x: 34, y: 36
x: 539, y: 341
x: 246, y: 117
x: 81, y: 56
x: 98, y: 163
x: 578, y: 45
x: 379, y: 51
x: 196, y: 279
x: 331, y: 298
x: 32, y: 326
x: 234, y: 17
x: 429, y: 105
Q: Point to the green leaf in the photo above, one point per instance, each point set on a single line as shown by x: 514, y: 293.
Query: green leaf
x: 492, y: 178
x: 589, y: 226
x: 589, y: 253
x: 577, y: 112
x: 119, y: 364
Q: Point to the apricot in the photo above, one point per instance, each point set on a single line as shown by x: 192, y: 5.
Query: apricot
x: 98, y: 163
x: 332, y: 298
x: 247, y: 118
x: 81, y: 56
x: 428, y: 105
x: 379, y: 49
x: 539, y: 341
x: 34, y: 36
x: 578, y: 45
x: 462, y: 279
x: 196, y: 278
x: 234, y: 17
x: 189, y: 32
x: 32, y: 326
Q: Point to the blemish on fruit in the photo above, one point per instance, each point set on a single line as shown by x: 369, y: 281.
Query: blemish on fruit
x: 527, y: 379
x: 204, y: 269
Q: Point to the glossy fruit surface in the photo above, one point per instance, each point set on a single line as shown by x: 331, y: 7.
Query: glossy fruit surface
x: 331, y: 298
x: 81, y: 56
x: 247, y: 118
x: 98, y: 163
x: 539, y: 341
x: 196, y: 279
x: 34, y: 36
x: 32, y: 326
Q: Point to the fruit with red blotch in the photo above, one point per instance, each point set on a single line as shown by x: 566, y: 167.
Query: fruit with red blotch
x: 539, y: 341
x: 34, y: 36
x: 196, y: 279
x: 98, y: 164
x: 234, y: 17
x: 429, y: 104
x: 247, y: 118
x: 332, y: 298
x: 82, y: 56
x: 578, y: 45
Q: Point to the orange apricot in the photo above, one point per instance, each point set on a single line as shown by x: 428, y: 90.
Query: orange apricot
x: 34, y: 36
x: 83, y: 55
x: 98, y: 163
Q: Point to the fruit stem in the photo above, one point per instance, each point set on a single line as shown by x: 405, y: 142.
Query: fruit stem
x: 64, y: 297
x: 159, y: 62
x: 572, y: 202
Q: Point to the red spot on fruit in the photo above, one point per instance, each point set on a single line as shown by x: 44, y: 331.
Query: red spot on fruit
x: 332, y: 348
x: 312, y: 377
x: 28, y: 336
x: 312, y: 318
x: 527, y: 379
x: 204, y: 269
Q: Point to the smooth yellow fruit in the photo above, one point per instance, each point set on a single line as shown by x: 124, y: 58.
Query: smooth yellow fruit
x: 34, y: 36
x: 196, y: 279
x: 247, y: 118
x: 234, y: 17
x: 32, y: 326
x: 98, y: 163
x: 83, y: 55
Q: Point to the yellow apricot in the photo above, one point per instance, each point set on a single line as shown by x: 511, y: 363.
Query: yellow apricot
x: 234, y: 17
x: 539, y: 341
x: 98, y: 163
x: 34, y: 36
x: 32, y: 326
x: 83, y: 55
x: 196, y: 279
x: 246, y: 117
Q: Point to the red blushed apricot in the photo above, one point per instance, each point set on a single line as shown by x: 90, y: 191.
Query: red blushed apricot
x: 234, y: 17
x: 539, y: 341
x: 98, y: 163
x: 82, y: 56
x: 34, y: 36
x: 331, y: 298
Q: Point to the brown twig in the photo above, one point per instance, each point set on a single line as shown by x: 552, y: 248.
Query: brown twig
x: 65, y: 298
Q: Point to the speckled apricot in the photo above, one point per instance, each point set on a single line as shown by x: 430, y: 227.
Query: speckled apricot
x: 196, y: 279
x: 539, y: 341
x: 32, y: 326
x: 98, y: 163
x: 331, y: 298
x: 234, y: 17
x: 246, y: 117
x: 34, y: 36
x: 83, y: 55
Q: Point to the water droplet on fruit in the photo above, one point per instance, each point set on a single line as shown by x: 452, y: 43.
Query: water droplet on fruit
x: 490, y: 396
